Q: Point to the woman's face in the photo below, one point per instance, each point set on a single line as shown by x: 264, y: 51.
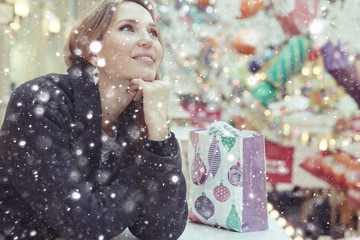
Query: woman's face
x: 131, y: 47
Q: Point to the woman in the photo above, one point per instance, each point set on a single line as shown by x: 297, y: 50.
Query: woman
x: 87, y: 154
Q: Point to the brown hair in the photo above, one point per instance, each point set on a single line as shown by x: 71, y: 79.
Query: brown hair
x: 94, y: 26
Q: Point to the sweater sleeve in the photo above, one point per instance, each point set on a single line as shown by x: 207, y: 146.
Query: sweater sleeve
x: 43, y: 168
x: 164, y: 212
x: 164, y: 148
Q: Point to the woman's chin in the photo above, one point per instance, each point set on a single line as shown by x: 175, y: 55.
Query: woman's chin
x: 147, y: 76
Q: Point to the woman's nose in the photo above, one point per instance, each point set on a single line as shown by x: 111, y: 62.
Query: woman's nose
x: 145, y: 40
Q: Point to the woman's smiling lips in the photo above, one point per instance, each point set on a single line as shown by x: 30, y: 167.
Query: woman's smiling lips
x: 145, y: 57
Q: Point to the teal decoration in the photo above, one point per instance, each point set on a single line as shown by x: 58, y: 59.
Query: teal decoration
x: 265, y: 93
x: 287, y: 63
x: 233, y: 220
x: 228, y: 142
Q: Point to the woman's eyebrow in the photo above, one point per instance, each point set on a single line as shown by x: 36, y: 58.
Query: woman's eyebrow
x: 134, y: 21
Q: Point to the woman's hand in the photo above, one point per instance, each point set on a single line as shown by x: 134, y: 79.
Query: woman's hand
x: 156, y: 96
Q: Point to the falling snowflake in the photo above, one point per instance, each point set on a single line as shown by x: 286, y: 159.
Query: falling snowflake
x: 75, y: 195
x: 39, y: 111
x: 95, y: 46
x: 34, y: 87
x: 44, y: 96
x: 175, y: 179
x: 22, y: 143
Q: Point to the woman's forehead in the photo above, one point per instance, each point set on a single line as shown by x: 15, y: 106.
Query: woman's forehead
x: 133, y: 11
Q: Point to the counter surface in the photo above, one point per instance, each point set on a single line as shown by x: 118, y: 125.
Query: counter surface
x: 195, y: 231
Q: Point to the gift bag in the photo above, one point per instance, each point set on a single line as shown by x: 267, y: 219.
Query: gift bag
x: 227, y: 182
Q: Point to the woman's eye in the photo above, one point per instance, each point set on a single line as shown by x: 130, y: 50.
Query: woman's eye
x: 126, y: 28
x: 154, y: 33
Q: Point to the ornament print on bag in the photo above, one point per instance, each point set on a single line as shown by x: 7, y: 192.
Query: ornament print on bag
x: 221, y: 193
x: 234, y: 175
x: 214, y: 156
x: 198, y: 171
x: 204, y: 206
x: 233, y: 220
x: 228, y: 142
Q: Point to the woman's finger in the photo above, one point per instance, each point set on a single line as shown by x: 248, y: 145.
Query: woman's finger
x: 138, y: 81
x: 132, y: 88
x: 138, y: 95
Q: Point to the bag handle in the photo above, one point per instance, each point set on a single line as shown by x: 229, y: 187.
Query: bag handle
x: 210, y: 165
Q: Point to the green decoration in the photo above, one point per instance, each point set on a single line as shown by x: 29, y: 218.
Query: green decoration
x: 233, y: 220
x: 228, y: 142
x: 289, y: 62
x: 265, y: 93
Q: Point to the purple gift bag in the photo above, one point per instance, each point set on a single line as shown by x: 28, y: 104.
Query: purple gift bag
x: 227, y: 183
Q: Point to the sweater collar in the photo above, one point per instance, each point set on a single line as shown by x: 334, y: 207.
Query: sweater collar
x: 87, y: 112
x: 86, y: 93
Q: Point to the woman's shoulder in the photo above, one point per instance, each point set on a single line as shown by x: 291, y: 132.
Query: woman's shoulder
x: 49, y: 91
x: 43, y: 87
x: 48, y: 82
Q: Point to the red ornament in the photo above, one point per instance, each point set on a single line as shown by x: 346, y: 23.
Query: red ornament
x: 314, y: 54
x: 245, y: 41
x: 221, y: 193
x: 342, y: 125
x: 249, y: 8
x: 204, y: 3
x: 299, y: 19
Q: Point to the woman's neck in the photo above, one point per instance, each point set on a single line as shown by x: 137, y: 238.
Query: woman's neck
x: 114, y: 100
